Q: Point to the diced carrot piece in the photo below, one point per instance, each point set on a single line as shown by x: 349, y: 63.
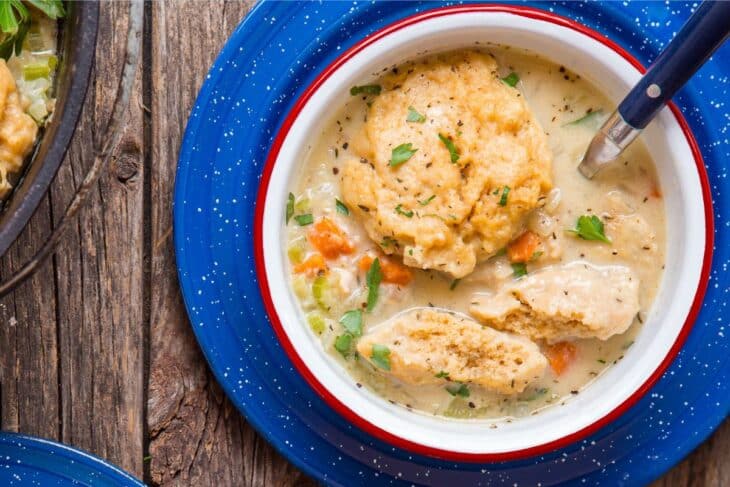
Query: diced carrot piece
x: 561, y: 355
x: 523, y: 247
x: 655, y: 191
x: 365, y: 263
x: 329, y: 239
x: 313, y: 264
x: 393, y: 272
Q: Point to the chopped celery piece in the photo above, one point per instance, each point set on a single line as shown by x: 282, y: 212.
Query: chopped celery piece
x: 316, y: 323
x: 302, y: 205
x: 459, y: 408
x: 296, y: 250
x: 36, y: 70
x: 300, y: 286
x: 323, y: 293
x: 38, y: 110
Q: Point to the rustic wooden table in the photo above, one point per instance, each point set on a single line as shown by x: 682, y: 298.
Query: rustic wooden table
x: 95, y: 349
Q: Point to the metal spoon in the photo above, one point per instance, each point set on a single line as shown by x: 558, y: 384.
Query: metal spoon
x: 703, y: 33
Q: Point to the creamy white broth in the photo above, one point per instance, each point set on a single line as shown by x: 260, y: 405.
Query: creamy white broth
x: 626, y: 191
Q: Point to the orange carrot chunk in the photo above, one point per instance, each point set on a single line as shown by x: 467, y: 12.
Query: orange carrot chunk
x: 312, y: 265
x: 523, y: 247
x: 329, y: 239
x: 560, y: 355
x: 393, y: 272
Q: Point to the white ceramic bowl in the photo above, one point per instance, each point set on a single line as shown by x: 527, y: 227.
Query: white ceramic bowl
x: 688, y: 212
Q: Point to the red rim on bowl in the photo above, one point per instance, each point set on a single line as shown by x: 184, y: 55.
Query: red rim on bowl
x: 341, y: 408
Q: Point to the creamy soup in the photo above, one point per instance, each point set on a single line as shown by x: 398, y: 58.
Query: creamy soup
x: 613, y: 223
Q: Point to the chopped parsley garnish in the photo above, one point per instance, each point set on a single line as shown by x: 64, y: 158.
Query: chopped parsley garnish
x: 289, y: 207
x: 457, y: 389
x: 414, y: 116
x: 511, y: 79
x: 519, y: 269
x: 380, y: 355
x: 590, y: 228
x: 366, y: 89
x: 407, y: 213
x: 451, y: 147
x: 304, y: 220
x: 453, y: 284
x: 427, y: 200
x: 343, y: 344
x: 401, y: 154
x: 341, y: 207
x: 352, y: 322
x: 442, y: 375
x: 503, y: 198
x: 373, y: 278
x: 388, y: 241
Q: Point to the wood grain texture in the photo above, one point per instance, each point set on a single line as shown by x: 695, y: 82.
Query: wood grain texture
x: 96, y: 349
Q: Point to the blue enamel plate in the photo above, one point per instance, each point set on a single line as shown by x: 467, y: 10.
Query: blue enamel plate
x: 279, y: 50
x: 25, y: 461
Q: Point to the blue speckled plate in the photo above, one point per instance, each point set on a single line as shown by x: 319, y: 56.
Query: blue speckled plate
x: 272, y: 56
x: 27, y: 461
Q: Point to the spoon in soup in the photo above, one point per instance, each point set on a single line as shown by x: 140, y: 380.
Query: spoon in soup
x: 700, y: 36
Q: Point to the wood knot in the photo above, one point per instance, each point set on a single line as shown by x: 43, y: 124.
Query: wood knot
x: 126, y: 167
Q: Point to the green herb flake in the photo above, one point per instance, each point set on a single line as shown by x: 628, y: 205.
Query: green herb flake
x: 406, y: 213
x: 289, y: 207
x: 342, y: 209
x: 511, y: 79
x: 519, y: 269
x: 414, y: 116
x: 457, y: 389
x: 366, y: 90
x: 442, y: 375
x: 536, y: 255
x: 427, y: 200
x: 453, y: 284
x: 343, y: 344
x: 401, y: 154
x: 590, y: 228
x: 373, y: 278
x: 601, y: 361
x: 451, y: 147
x: 380, y: 355
x: 505, y: 195
x: 388, y: 241
x: 304, y: 220
x: 352, y: 322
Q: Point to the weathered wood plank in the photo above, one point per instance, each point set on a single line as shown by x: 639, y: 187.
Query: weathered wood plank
x: 196, y: 436
x: 72, y: 366
x: 100, y: 273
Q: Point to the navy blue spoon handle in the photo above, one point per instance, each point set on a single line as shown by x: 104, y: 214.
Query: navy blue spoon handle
x: 703, y: 33
x: 700, y: 36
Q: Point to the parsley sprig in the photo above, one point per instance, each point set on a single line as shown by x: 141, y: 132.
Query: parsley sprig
x: 590, y: 228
